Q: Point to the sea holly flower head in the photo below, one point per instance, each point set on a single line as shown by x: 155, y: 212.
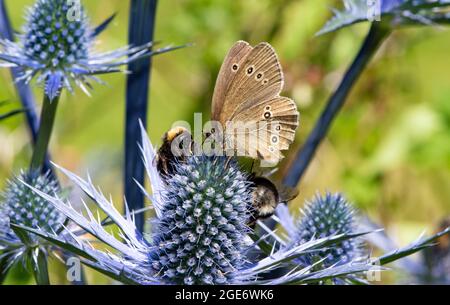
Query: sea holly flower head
x: 201, y: 235
x: 327, y: 216
x: 52, y: 38
x: 57, y: 47
x: 436, y: 263
x: 19, y: 205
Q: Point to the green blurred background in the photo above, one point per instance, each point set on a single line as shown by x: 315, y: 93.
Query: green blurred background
x: 388, y: 150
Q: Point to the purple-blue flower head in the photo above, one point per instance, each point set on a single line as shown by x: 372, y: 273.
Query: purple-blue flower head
x: 56, y: 47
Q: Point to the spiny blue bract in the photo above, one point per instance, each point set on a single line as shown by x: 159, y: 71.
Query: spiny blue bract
x: 203, y: 226
x: 327, y: 216
x: 54, y: 36
x: 22, y: 206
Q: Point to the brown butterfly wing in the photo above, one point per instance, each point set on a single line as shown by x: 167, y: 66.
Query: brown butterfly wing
x: 258, y: 77
x: 256, y: 147
x: 251, y: 80
x: 235, y: 56
x: 272, y: 129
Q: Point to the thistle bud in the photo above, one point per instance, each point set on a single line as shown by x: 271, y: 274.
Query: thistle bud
x: 54, y: 39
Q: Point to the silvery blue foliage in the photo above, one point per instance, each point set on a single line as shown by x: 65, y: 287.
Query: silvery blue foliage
x: 430, y: 267
x: 20, y: 205
x: 318, y: 225
x: 395, y: 12
x: 327, y: 216
x: 56, y: 46
x: 201, y: 234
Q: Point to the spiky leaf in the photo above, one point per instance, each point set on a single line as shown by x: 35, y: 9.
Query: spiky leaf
x: 394, y: 12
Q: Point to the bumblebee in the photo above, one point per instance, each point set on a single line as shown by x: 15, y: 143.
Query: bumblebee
x: 176, y: 146
x: 266, y: 196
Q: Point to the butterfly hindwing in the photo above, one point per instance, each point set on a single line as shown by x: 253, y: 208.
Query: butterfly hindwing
x: 272, y: 130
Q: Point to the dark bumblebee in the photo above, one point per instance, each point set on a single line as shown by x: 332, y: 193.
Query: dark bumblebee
x: 266, y: 197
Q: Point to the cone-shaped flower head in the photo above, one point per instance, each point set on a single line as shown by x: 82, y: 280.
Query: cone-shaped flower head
x: 327, y: 216
x: 57, y: 46
x: 55, y: 37
x: 203, y: 224
x: 20, y: 205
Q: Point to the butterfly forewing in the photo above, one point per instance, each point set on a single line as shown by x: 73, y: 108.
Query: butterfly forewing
x: 247, y: 95
x: 228, y: 71
x: 258, y: 78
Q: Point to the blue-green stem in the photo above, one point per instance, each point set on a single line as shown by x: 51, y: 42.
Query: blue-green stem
x: 48, y: 114
x: 23, y: 90
x: 4, y: 267
x: 377, y: 34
